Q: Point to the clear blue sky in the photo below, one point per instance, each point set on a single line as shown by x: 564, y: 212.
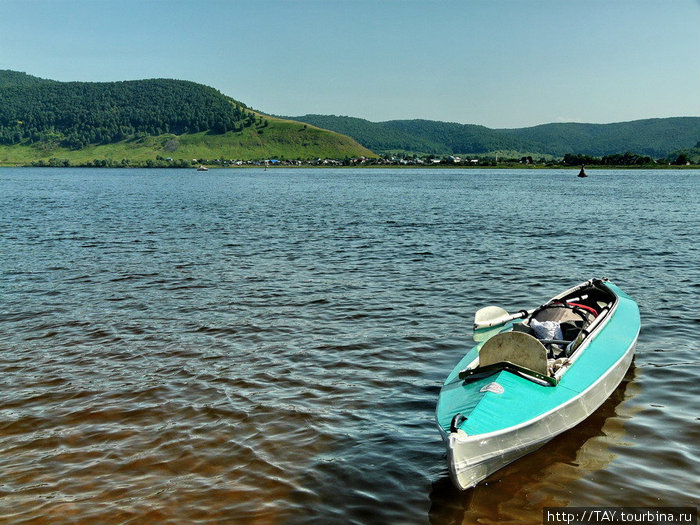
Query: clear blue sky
x: 500, y: 63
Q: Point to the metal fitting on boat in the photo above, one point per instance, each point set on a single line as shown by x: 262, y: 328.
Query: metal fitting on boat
x: 457, y: 420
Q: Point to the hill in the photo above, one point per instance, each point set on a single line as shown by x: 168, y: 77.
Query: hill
x: 143, y: 119
x: 653, y: 137
x: 49, y: 122
x: 657, y: 137
x: 420, y: 136
x: 19, y: 79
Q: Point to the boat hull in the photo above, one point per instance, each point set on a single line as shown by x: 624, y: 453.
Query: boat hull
x: 472, y: 459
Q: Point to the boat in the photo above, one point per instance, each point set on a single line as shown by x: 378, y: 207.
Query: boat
x: 202, y: 168
x: 582, y: 173
x: 533, y: 375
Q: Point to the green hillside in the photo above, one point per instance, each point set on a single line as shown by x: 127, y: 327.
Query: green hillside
x: 17, y: 78
x: 420, y: 136
x: 142, y: 120
x: 653, y: 137
x: 139, y: 122
x: 278, y: 139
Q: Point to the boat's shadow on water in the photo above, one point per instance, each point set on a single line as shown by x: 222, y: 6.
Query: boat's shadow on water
x: 518, y: 492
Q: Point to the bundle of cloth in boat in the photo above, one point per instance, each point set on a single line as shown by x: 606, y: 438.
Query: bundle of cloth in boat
x: 546, y: 329
x: 559, y: 321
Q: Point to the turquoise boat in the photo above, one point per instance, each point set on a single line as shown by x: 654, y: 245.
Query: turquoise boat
x: 534, y: 375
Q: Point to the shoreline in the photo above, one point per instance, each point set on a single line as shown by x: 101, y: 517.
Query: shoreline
x: 516, y: 166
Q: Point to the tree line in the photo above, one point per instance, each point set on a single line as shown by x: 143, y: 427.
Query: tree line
x: 76, y: 114
x: 618, y: 159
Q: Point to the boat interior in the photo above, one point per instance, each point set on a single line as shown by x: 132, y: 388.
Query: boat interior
x: 548, y: 338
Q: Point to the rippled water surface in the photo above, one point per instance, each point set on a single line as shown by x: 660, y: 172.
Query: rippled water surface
x: 256, y: 347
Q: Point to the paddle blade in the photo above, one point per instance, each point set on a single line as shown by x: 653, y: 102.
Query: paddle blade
x: 490, y: 316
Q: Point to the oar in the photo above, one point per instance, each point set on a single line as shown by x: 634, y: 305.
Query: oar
x: 495, y: 315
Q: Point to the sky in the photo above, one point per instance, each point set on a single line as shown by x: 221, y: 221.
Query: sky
x: 497, y: 63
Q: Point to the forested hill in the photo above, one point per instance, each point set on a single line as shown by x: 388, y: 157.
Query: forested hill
x: 75, y: 114
x: 653, y: 137
x: 142, y: 120
x: 17, y: 78
x: 420, y: 136
x: 657, y: 137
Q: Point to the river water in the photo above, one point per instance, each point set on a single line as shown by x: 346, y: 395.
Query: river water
x: 255, y: 347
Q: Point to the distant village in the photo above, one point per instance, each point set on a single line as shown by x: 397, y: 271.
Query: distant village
x: 169, y: 162
x: 388, y: 160
x: 626, y: 160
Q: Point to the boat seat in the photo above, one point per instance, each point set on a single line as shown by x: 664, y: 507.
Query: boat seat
x: 518, y: 348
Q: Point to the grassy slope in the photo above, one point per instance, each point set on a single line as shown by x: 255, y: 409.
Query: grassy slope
x: 281, y: 139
